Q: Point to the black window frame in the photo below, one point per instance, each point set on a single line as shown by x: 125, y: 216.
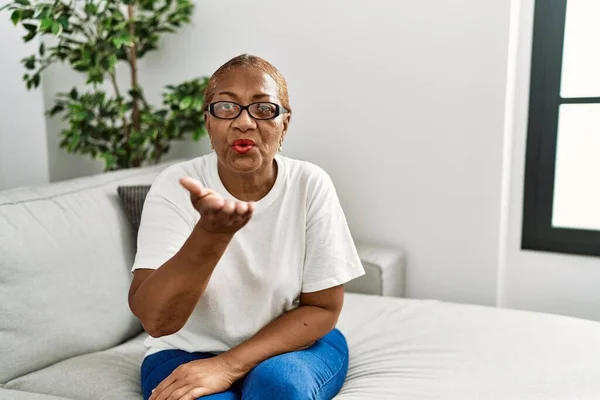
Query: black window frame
x: 542, y: 132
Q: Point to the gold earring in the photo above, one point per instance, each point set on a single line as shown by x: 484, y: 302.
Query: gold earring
x: 212, y: 146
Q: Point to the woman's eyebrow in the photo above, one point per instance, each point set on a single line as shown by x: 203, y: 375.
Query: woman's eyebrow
x: 235, y: 96
x: 226, y: 93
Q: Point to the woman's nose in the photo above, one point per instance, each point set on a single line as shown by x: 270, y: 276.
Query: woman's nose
x: 244, y: 121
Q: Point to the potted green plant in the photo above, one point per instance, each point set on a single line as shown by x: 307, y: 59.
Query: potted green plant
x: 93, y: 37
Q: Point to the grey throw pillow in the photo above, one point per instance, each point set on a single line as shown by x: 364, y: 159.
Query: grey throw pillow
x: 132, y: 198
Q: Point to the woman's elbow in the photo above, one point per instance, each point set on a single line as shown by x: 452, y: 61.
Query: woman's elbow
x: 158, y: 327
x: 158, y: 331
x: 154, y: 325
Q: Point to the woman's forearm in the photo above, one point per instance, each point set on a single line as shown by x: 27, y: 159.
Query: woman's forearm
x: 294, y: 330
x: 166, y: 299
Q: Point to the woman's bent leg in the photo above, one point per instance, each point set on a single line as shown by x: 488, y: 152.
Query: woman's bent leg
x: 158, y: 366
x: 317, y: 372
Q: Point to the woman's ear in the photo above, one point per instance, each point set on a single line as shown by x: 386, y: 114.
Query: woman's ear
x: 286, y: 123
x: 206, y: 120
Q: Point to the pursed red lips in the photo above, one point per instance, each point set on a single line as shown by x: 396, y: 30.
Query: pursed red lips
x: 243, y: 145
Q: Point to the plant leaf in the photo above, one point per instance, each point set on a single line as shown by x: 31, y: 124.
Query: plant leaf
x: 91, y: 8
x: 27, y: 14
x: 29, y: 62
x: 80, y: 66
x: 29, y: 36
x: 23, y: 2
x: 73, y: 142
x: 185, y: 103
x: 198, y: 103
x: 42, y: 49
x: 16, y: 16
x: 79, y: 116
x: 57, y: 28
x: 46, y: 23
x: 64, y: 21
x: 113, y: 60
x: 198, y: 134
x: 56, y: 109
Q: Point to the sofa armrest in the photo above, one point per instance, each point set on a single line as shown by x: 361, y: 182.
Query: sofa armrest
x: 384, y: 271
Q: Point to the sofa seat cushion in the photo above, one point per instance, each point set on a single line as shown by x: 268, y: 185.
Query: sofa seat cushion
x: 6, y: 394
x: 105, y: 375
x: 427, y: 349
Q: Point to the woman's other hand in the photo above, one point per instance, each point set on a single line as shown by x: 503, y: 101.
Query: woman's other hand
x: 195, y: 379
x: 217, y: 214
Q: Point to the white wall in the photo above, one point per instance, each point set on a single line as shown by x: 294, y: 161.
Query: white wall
x: 402, y: 102
x: 23, y: 147
x: 532, y: 280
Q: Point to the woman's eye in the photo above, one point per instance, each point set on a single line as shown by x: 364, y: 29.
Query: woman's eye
x: 265, y: 108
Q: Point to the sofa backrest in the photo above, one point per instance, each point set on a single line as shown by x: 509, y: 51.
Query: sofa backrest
x: 65, y: 257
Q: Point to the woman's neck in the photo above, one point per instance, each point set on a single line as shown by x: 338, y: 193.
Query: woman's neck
x: 249, y: 187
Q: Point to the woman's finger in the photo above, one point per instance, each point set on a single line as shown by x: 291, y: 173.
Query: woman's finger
x: 197, y: 392
x: 172, y: 388
x: 162, y: 386
x: 228, y: 207
x: 250, y: 210
x: 182, y: 392
x: 241, y: 207
x: 193, y: 186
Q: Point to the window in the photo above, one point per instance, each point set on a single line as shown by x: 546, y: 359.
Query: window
x: 561, y: 209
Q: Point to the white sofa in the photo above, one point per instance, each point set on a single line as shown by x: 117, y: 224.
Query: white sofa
x: 66, y: 331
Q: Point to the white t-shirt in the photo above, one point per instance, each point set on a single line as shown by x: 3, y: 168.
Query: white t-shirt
x: 297, y: 241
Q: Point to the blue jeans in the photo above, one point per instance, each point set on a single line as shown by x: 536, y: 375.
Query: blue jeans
x: 317, y: 372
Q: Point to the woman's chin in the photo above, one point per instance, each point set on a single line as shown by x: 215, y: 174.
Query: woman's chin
x: 244, y: 163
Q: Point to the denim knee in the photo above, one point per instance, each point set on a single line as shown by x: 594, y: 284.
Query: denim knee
x: 268, y: 381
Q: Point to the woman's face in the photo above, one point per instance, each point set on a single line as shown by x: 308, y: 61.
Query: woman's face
x: 245, y: 144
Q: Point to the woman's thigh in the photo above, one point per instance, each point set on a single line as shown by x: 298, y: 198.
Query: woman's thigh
x: 317, y: 372
x: 156, y: 367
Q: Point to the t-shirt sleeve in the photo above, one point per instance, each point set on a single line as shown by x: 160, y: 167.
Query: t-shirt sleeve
x: 331, y: 258
x: 166, y: 223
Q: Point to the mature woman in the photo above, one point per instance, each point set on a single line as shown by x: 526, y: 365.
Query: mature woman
x: 242, y: 256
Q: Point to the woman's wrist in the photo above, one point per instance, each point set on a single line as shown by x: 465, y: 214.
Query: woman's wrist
x: 201, y: 231
x: 201, y: 244
x: 234, y: 364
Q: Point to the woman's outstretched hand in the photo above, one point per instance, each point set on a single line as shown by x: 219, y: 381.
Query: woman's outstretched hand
x: 217, y: 215
x: 195, y: 379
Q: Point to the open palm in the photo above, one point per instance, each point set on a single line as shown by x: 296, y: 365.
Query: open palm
x: 217, y: 215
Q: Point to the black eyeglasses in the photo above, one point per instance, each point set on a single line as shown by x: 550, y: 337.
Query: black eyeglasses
x: 261, y: 110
